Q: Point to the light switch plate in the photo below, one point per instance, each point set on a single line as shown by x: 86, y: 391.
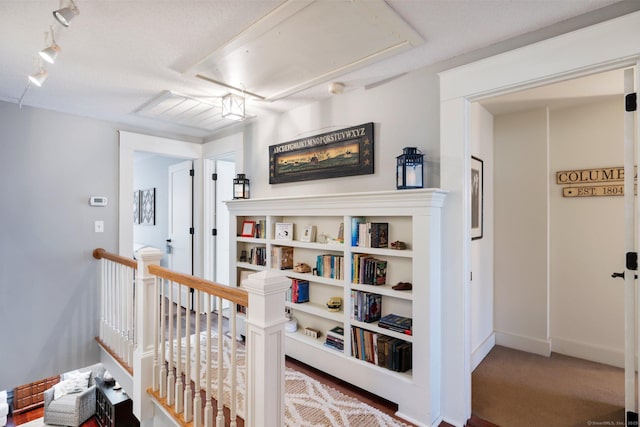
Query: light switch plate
x: 98, y: 226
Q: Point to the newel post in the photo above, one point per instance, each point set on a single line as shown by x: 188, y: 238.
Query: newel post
x: 265, y: 350
x: 145, y: 318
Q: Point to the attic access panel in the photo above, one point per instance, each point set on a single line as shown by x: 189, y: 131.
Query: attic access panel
x: 304, y: 43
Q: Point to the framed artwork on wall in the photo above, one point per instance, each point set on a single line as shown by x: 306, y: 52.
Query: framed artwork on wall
x: 477, y: 197
x: 148, y: 207
x: 344, y: 152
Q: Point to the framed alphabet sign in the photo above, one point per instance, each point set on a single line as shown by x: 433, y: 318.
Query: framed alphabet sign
x: 344, y: 152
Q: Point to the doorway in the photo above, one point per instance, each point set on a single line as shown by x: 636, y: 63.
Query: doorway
x: 526, y: 67
x: 552, y: 255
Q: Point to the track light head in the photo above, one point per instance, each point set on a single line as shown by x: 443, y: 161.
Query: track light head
x: 66, y: 14
x: 39, y: 77
x: 50, y: 53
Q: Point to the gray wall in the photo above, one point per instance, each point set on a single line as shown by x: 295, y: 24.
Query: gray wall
x: 50, y: 163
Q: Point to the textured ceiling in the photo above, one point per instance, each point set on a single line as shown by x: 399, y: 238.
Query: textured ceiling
x: 118, y: 56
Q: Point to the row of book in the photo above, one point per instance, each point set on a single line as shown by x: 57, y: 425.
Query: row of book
x: 365, y: 306
x: 388, y: 352
x: 298, y: 292
x: 258, y: 256
x: 368, y: 270
x: 335, y: 338
x: 331, y: 266
x: 369, y: 234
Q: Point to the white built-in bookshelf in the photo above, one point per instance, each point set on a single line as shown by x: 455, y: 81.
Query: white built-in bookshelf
x: 414, y: 218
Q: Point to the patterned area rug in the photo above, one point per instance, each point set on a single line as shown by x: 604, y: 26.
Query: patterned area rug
x: 308, y: 402
x: 35, y: 423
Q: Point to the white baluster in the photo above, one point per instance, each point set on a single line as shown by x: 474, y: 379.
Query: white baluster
x: 208, y: 409
x: 156, y: 334
x: 188, y: 408
x: 220, y: 373
x: 163, y: 326
x: 179, y: 391
x: 234, y: 366
x: 197, y: 399
x: 171, y: 380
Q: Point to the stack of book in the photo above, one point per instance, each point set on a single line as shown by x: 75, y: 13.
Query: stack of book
x: 387, y: 352
x: 365, y: 306
x: 335, y: 338
x: 396, y: 323
x: 368, y: 270
x: 298, y: 292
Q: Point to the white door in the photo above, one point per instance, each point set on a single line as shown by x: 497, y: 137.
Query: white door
x: 632, y: 217
x: 180, y: 227
x: 225, y: 171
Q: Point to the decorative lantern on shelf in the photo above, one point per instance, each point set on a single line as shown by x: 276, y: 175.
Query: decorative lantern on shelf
x: 409, y: 170
x: 240, y: 187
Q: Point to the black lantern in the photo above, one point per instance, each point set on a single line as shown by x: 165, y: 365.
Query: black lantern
x: 409, y: 171
x: 240, y: 187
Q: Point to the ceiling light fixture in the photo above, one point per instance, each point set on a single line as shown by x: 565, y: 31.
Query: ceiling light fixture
x: 233, y: 107
x: 50, y: 53
x: 66, y: 14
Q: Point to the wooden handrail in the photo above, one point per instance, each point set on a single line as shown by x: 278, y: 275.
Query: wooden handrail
x: 100, y: 253
x: 235, y: 295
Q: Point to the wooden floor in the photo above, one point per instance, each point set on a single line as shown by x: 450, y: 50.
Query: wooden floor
x: 34, y: 414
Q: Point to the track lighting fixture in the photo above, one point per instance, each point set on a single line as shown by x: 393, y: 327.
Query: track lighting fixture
x: 66, y: 14
x: 50, y: 53
x: 39, y: 77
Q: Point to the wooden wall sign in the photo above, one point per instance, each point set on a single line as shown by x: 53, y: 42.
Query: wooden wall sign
x: 344, y: 152
x: 613, y: 175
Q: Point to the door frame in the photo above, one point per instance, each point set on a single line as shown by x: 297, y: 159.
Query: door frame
x: 230, y: 147
x: 602, y: 47
x: 131, y: 142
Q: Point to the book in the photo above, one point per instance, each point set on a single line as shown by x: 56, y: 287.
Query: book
x: 299, y: 291
x: 337, y: 332
x: 354, y: 229
x: 396, y: 323
x: 379, y: 234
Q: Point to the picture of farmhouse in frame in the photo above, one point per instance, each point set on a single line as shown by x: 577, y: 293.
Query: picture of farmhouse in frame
x: 344, y: 152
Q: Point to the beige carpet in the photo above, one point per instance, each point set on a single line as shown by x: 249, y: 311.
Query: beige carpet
x: 514, y: 388
x: 307, y: 401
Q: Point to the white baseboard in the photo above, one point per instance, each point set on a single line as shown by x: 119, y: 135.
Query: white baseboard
x: 482, y: 350
x: 524, y: 343
x: 594, y: 353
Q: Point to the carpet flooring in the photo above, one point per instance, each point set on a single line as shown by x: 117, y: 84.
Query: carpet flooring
x: 514, y: 388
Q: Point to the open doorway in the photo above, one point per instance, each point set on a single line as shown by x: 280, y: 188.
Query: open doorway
x: 547, y: 287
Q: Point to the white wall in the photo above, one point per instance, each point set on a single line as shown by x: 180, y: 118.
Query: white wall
x: 404, y: 112
x: 481, y: 285
x: 152, y: 171
x: 587, y: 236
x: 521, y: 229
x: 581, y: 314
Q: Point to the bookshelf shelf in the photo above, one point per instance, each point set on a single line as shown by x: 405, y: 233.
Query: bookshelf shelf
x: 316, y: 310
x: 410, y: 216
x: 383, y: 290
